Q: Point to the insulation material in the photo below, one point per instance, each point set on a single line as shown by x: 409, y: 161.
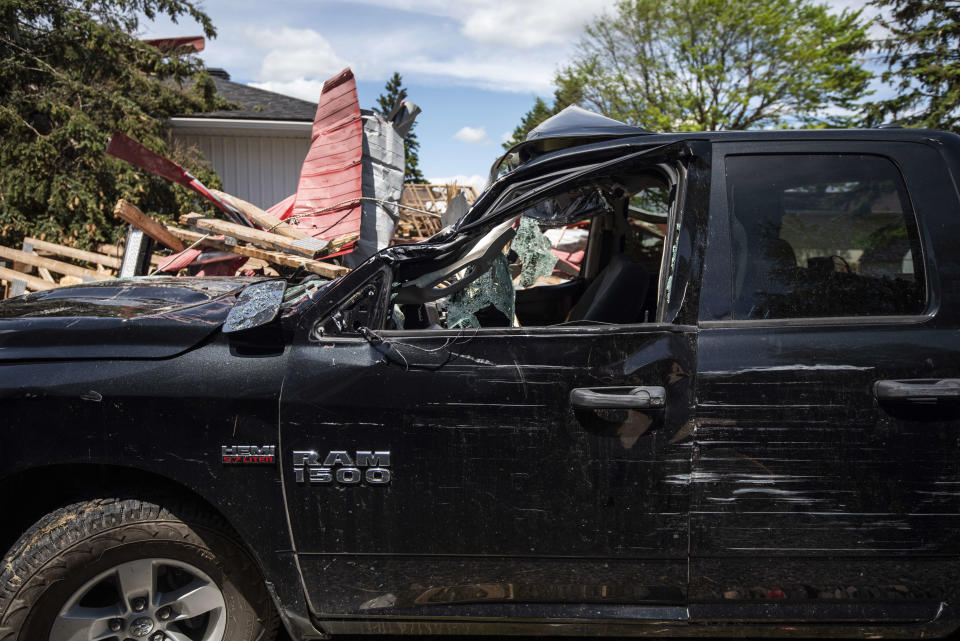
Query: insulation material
x: 493, y: 289
x: 327, y: 202
x: 569, y: 243
x: 534, y: 251
x: 382, y: 178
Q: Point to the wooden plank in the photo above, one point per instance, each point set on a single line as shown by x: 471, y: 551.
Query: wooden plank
x: 32, y: 282
x: 337, y: 244
x: 155, y: 230
x: 266, y: 220
x: 264, y: 239
x: 111, y: 250
x: 49, y: 263
x: 72, y: 252
x: 277, y: 258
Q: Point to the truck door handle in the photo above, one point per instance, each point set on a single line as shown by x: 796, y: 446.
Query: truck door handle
x: 629, y: 398
x: 920, y: 390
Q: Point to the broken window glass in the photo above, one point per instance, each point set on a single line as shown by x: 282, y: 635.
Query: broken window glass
x: 534, y: 253
x: 486, y: 302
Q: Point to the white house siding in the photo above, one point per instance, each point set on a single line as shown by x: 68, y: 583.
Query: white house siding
x: 258, y: 161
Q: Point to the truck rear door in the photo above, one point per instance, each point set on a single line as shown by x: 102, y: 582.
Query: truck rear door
x: 826, y: 476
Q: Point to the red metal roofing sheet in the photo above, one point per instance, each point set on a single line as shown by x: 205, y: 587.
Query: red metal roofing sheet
x: 330, y: 179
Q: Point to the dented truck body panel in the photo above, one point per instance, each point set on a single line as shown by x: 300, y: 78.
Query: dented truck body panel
x: 482, y: 436
x: 799, y: 467
x: 439, y: 481
x: 165, y: 418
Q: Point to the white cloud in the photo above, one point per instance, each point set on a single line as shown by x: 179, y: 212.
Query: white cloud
x: 303, y: 88
x: 530, y: 24
x: 472, y: 135
x: 503, y: 46
x: 515, y: 24
x: 297, y: 54
x: 476, y: 180
x: 495, y: 72
x: 505, y: 136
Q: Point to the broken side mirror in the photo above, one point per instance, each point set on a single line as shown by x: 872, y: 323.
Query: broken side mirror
x: 257, y: 305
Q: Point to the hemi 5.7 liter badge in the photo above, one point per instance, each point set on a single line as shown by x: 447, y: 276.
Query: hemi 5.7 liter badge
x: 248, y: 454
x: 338, y: 466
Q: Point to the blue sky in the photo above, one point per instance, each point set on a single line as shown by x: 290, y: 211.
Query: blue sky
x: 473, y: 66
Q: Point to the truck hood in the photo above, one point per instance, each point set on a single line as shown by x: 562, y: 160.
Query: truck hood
x: 146, y: 317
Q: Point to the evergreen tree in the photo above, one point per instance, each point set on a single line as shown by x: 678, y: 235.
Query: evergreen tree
x: 72, y: 73
x: 394, y: 92
x: 922, y: 53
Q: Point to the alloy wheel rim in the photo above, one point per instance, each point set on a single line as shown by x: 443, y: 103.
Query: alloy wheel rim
x: 151, y: 599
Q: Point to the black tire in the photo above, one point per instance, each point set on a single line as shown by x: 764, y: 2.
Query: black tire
x: 70, y: 546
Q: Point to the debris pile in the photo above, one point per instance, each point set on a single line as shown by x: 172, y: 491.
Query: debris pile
x: 350, y: 203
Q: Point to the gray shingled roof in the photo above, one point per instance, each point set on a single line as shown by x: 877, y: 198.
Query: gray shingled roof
x: 257, y: 104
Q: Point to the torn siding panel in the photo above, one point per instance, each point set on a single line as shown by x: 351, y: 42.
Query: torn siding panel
x: 382, y: 179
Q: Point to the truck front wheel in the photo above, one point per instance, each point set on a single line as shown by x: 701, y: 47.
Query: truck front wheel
x: 127, y: 569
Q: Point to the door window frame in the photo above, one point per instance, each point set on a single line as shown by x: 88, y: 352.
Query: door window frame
x: 678, y: 313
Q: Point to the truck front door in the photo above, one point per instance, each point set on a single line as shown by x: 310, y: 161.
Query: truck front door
x: 534, y: 472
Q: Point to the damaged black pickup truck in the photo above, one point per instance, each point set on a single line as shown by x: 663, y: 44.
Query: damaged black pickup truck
x: 739, y: 407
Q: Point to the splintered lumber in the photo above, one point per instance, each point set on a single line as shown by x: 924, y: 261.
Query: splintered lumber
x: 309, y: 247
x: 71, y: 252
x: 276, y: 258
x: 155, y: 230
x: 56, y: 266
x: 337, y: 244
x: 266, y: 220
x: 32, y: 282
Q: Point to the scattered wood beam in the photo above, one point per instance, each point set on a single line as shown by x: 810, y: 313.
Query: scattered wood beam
x: 337, y: 244
x: 155, y: 230
x: 277, y: 258
x: 266, y: 220
x: 71, y: 252
x: 310, y: 248
x: 56, y: 266
x: 32, y: 282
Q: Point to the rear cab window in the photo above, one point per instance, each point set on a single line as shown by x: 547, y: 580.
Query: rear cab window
x: 821, y: 236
